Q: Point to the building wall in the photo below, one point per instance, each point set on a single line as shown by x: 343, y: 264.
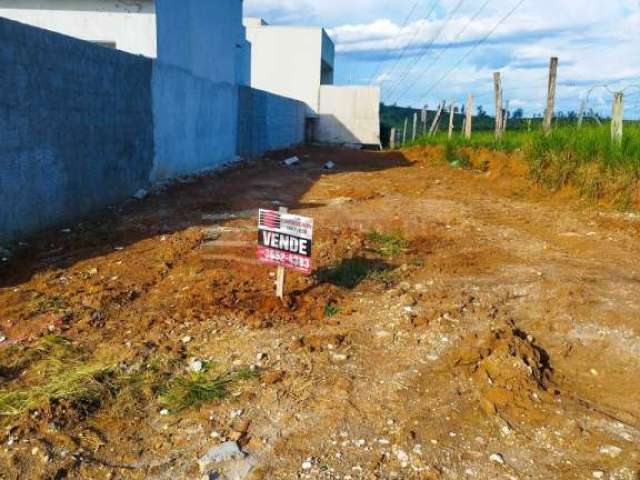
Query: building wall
x: 131, y: 25
x: 286, y: 61
x: 268, y: 122
x: 76, y: 128
x: 201, y: 36
x: 349, y: 115
x: 195, y: 123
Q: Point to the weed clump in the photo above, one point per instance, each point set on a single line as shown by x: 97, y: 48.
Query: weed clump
x: 196, y: 389
x: 387, y: 245
x: 53, y: 370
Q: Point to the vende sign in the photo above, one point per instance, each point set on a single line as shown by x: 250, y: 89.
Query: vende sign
x: 285, y: 240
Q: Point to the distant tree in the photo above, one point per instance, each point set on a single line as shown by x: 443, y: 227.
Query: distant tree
x: 517, y: 114
x: 481, y: 111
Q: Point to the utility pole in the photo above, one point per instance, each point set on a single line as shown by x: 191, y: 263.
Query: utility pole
x: 617, y: 117
x: 497, y: 85
x: 469, y: 117
x: 551, y: 95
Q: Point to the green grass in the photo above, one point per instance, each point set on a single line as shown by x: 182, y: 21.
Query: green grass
x: 196, y: 389
x: 387, y: 245
x: 586, y: 158
x: 331, y: 310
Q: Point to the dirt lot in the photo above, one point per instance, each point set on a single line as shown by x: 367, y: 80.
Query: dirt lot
x: 489, y: 330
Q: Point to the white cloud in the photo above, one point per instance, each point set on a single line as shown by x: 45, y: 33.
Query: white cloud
x: 596, y: 42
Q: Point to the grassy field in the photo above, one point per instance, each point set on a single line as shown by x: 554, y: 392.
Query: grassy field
x: 585, y: 158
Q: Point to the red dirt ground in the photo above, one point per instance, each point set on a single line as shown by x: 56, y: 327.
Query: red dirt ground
x: 502, y: 342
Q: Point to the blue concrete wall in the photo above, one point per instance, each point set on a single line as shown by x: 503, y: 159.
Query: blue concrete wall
x: 76, y: 128
x: 268, y: 122
x: 195, y: 123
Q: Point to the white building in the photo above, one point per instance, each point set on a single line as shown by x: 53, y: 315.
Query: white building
x: 298, y: 62
x: 125, y: 25
x: 290, y: 61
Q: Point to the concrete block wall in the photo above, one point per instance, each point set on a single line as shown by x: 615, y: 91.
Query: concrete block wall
x: 76, y: 128
x: 195, y: 123
x: 268, y: 122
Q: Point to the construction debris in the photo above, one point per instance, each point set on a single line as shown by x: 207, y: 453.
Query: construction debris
x: 329, y: 165
x: 290, y: 162
x: 141, y: 194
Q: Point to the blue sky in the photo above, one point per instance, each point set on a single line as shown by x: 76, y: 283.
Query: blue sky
x: 420, y: 51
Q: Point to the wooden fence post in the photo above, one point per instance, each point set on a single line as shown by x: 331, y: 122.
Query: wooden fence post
x: 551, y: 95
x: 469, y: 117
x: 392, y: 139
x: 505, y: 117
x: 404, y: 131
x: 617, y: 117
x: 497, y: 85
x: 423, y: 119
x: 436, y: 120
x: 415, y: 126
x: 451, y: 118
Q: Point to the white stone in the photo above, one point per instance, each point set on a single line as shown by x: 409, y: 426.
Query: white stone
x: 497, y: 458
x: 610, y: 450
x: 597, y: 474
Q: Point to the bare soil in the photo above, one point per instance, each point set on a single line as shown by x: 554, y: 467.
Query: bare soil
x: 502, y: 342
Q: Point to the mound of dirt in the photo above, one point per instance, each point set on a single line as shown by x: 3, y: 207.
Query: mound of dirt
x: 511, y: 373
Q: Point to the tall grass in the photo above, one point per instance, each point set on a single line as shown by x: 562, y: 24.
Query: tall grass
x: 586, y: 158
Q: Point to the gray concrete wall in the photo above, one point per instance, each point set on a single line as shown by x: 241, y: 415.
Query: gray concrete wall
x: 268, y: 122
x: 349, y: 115
x: 76, y: 128
x: 201, y: 37
x: 195, y: 123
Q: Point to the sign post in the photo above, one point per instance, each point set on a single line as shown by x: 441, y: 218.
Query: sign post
x: 285, y: 240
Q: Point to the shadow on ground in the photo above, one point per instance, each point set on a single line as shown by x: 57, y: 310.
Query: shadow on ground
x: 265, y: 183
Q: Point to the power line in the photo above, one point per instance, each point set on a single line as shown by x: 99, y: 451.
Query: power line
x: 426, y: 48
x: 444, y: 50
x: 388, y: 72
x: 388, y: 53
x: 474, y: 47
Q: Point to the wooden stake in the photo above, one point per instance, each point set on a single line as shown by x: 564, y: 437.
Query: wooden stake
x: 617, y: 117
x: 505, y: 117
x: 415, y: 126
x: 281, y: 271
x: 469, y: 117
x: 497, y: 85
x: 404, y: 131
x: 436, y: 120
x: 392, y: 139
x: 551, y: 95
x: 451, y: 113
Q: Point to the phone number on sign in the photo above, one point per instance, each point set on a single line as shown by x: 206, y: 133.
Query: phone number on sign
x: 285, y: 259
